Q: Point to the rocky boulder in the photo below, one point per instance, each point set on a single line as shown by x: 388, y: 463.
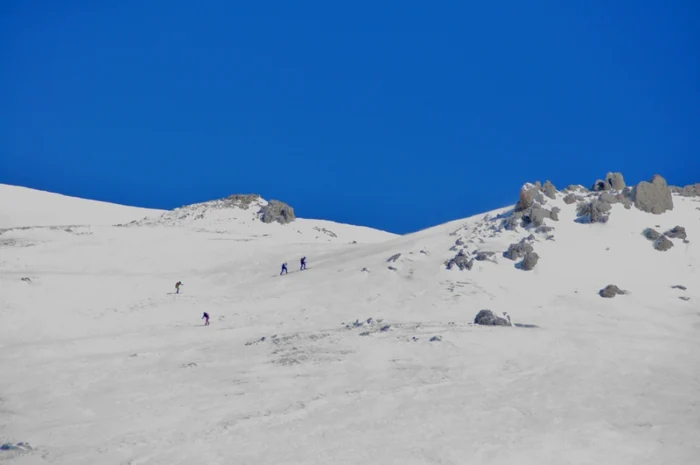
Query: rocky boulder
x: 536, y: 215
x: 677, y: 232
x: 570, y: 198
x: 519, y: 250
x: 554, y: 214
x: 549, y: 190
x: 530, y: 260
x: 651, y: 234
x: 608, y: 198
x: 276, y: 211
x: 610, y: 291
x: 653, y: 196
x: 662, y: 244
x: 615, y: 181
x: 483, y: 256
x: 593, y: 212
x: 487, y: 318
x: 461, y: 261
x: 528, y: 194
x: 599, y: 186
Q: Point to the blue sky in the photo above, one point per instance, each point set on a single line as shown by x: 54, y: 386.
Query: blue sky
x: 397, y: 115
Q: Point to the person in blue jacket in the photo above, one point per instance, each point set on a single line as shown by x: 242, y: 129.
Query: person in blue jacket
x: 303, y: 263
x: 284, y: 269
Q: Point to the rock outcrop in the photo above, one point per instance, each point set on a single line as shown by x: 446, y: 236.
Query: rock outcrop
x: 276, y: 211
x: 691, y: 190
x: 571, y: 198
x: 554, y: 214
x: 677, y: 232
x: 529, y: 261
x: 528, y: 194
x: 662, y: 244
x: 487, y: 318
x: 483, y: 256
x: 651, y: 234
x: 239, y: 200
x: 599, y: 186
x: 518, y: 250
x: 593, y: 212
x: 608, y: 198
x: 536, y: 215
x: 549, y: 190
x: 393, y: 258
x: 461, y: 261
x: 611, y: 291
x: 653, y: 196
x: 615, y: 181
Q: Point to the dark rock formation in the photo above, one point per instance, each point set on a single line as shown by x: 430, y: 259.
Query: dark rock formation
x: 678, y: 286
x: 593, y: 212
x: 393, y: 258
x: 528, y: 194
x: 610, y: 291
x: 239, y: 200
x: 276, y: 211
x: 651, y: 234
x: 653, y: 196
x: 691, y: 190
x: 482, y: 256
x: 615, y: 181
x: 607, y: 197
x: 570, y: 198
x: 549, y: 190
x: 487, y: 318
x: 461, y: 261
x: 519, y: 250
x: 678, y: 232
x: 554, y: 214
x: 530, y: 260
x: 663, y: 244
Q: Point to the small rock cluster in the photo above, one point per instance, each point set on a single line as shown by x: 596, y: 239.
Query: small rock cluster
x: 691, y: 190
x: 462, y: 261
x: 597, y: 211
x: 524, y: 250
x: 661, y: 241
x: 530, y: 210
x: 613, y: 181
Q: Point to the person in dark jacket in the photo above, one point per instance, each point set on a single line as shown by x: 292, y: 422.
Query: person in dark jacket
x: 284, y: 269
x: 303, y: 263
x: 205, y: 317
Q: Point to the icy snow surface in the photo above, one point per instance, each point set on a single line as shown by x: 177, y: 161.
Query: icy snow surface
x: 102, y: 363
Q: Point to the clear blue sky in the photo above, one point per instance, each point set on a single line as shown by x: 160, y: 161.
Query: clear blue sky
x: 396, y: 115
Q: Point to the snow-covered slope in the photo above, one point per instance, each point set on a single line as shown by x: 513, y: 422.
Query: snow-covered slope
x: 21, y: 206
x: 366, y: 357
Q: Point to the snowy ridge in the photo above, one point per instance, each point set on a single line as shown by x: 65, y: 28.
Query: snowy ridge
x: 369, y: 356
x: 23, y: 207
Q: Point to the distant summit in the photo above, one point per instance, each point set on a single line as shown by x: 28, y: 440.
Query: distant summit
x: 249, y: 207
